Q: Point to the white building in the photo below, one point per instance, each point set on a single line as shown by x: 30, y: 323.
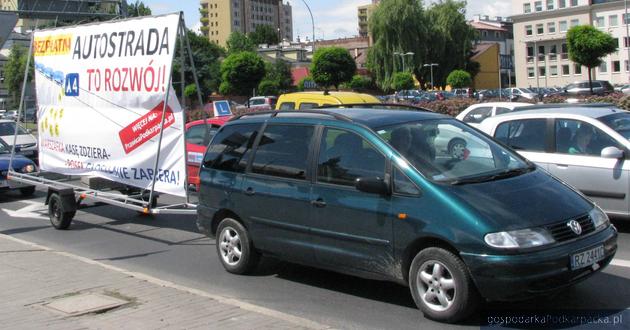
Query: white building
x: 540, y: 50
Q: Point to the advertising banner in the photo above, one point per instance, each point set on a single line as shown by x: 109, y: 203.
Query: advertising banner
x: 100, y: 89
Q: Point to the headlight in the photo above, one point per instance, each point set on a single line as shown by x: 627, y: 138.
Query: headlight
x: 600, y: 219
x: 519, y: 239
x: 28, y: 168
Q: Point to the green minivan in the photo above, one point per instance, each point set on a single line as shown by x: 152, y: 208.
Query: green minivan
x: 367, y: 192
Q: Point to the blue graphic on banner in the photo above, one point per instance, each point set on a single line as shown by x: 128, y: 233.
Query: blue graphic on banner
x: 71, y: 86
x: 222, y: 108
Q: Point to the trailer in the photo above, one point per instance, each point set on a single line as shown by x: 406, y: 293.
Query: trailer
x: 107, y: 109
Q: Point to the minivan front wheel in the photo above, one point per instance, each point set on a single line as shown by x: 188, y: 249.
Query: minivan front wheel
x: 234, y: 247
x: 441, y: 285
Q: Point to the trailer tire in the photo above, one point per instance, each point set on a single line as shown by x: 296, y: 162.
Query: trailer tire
x: 59, y: 217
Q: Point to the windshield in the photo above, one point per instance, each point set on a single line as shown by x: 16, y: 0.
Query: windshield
x: 526, y: 90
x: 620, y: 122
x: 8, y: 128
x: 446, y: 150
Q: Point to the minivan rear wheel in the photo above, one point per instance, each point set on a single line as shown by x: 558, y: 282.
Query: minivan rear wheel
x: 441, y: 285
x: 234, y: 247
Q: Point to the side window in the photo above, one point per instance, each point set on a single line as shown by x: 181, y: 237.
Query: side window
x: 478, y: 115
x: 287, y: 106
x: 526, y: 135
x: 345, y: 156
x: 307, y: 105
x: 502, y: 110
x: 402, y: 184
x: 257, y: 102
x: 579, y: 138
x: 196, y: 134
x: 231, y: 148
x: 283, y: 151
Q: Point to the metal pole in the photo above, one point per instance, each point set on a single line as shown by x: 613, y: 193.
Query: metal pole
x: 157, y: 157
x: 182, y: 73
x: 625, y: 19
x: 21, y: 106
x: 536, y: 64
x: 432, y: 86
x: 312, y: 22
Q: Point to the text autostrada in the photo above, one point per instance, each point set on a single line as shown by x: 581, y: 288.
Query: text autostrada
x: 121, y: 44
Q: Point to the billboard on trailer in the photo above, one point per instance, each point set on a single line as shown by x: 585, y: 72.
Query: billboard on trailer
x: 101, y: 99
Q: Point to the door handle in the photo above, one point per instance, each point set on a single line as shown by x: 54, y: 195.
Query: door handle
x: 318, y: 203
x: 250, y: 191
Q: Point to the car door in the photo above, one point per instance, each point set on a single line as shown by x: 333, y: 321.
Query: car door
x: 350, y: 229
x: 605, y: 181
x: 528, y: 137
x: 278, y: 191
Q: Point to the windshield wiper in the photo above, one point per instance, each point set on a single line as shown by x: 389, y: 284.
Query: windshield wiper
x: 497, y: 176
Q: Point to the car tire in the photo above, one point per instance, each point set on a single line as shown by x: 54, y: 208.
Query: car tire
x: 60, y: 218
x: 234, y: 247
x: 441, y: 286
x: 456, y: 148
x: 27, y: 191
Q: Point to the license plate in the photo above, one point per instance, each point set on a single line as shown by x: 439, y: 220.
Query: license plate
x: 587, y: 258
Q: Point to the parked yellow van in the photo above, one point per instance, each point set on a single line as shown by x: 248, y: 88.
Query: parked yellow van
x: 309, y: 100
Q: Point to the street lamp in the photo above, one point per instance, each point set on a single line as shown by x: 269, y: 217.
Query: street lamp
x: 312, y: 22
x: 402, y: 55
x: 431, y: 66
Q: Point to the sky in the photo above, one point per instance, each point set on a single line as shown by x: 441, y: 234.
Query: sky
x: 333, y: 18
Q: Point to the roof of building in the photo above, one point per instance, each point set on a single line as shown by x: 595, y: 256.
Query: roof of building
x: 484, y: 26
x: 298, y: 74
x: 481, y: 48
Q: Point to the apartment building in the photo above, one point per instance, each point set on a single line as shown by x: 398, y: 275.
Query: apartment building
x: 497, y: 30
x: 222, y: 17
x: 540, y: 49
x: 364, y: 12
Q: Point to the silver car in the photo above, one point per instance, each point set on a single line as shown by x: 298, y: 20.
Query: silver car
x: 586, y: 147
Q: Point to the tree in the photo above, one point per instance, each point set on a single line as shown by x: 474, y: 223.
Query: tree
x: 396, y: 26
x: 239, y: 42
x: 360, y: 82
x: 587, y: 45
x: 402, y: 81
x: 449, y: 41
x: 241, y: 73
x: 206, y: 56
x: 277, y: 80
x: 264, y: 34
x: 459, y: 79
x: 268, y: 87
x: 14, y: 71
x: 332, y: 66
x: 138, y: 9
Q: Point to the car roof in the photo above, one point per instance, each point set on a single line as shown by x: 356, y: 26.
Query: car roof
x: 372, y: 118
x: 214, y: 120
x: 500, y: 104
x: 595, y: 111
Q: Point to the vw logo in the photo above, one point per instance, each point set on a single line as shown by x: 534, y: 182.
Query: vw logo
x: 575, y: 226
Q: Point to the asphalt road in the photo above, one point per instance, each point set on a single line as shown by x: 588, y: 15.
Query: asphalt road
x: 170, y: 248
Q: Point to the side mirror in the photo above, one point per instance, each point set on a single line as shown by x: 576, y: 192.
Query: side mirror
x: 18, y: 149
x: 372, y: 185
x: 612, y: 153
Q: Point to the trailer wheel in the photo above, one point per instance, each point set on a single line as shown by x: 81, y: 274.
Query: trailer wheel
x: 60, y: 218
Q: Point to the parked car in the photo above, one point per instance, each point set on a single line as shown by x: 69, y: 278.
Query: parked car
x: 464, y: 93
x: 20, y: 164
x: 519, y: 92
x: 362, y: 191
x: 476, y: 113
x: 196, y: 142
x: 596, y: 165
x: 310, y: 100
x: 580, y: 88
x: 25, y: 140
x: 263, y: 102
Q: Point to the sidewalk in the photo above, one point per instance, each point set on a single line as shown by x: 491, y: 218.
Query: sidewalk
x: 36, y: 282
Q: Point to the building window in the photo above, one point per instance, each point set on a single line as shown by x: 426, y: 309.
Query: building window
x: 530, y: 72
x: 564, y: 51
x: 538, y: 5
x: 626, y: 19
x: 575, y: 22
x: 616, y: 41
x: 565, y: 70
x: 550, y: 4
x: 577, y: 69
x: 599, y: 21
x: 553, y: 70
x: 551, y: 27
x: 563, y: 26
x: 528, y: 30
x: 626, y: 65
x: 616, y: 66
x: 540, y: 29
x: 562, y: 3
x: 527, y: 8
x: 553, y: 53
x: 530, y: 54
x: 574, y: 3
x: 626, y: 41
x: 613, y: 20
x: 541, y: 53
x: 542, y: 71
x: 497, y: 35
x: 603, y: 68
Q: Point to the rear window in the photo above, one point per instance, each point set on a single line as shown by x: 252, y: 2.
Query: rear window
x: 307, y: 105
x: 287, y: 106
x: 283, y: 151
x: 231, y: 148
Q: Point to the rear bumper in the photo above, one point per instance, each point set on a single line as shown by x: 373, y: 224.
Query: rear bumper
x: 516, y: 277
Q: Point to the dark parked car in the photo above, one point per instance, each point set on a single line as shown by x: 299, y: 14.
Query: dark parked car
x: 578, y: 88
x: 365, y: 192
x: 20, y: 164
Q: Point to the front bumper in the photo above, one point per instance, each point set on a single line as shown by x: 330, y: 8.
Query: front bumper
x: 519, y: 276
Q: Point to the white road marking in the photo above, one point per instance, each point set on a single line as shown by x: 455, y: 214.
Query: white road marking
x: 620, y: 263
x: 34, y: 210
x: 225, y: 300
